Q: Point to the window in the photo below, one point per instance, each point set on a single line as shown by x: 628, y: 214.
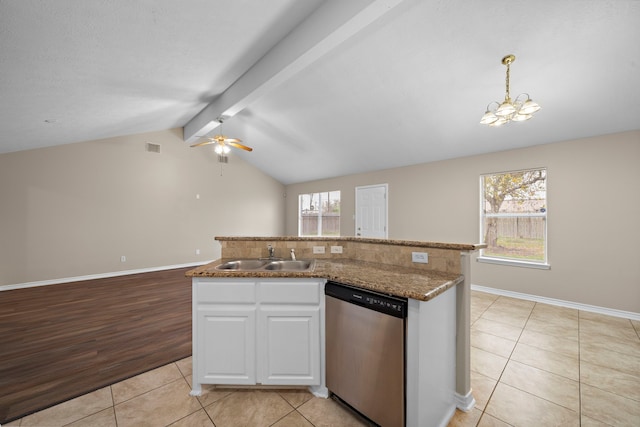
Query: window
x: 319, y: 214
x: 513, y: 218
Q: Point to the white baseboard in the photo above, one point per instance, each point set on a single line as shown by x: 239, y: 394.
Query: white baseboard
x: 97, y: 276
x: 562, y: 303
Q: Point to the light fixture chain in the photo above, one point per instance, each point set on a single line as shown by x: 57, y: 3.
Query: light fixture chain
x: 508, y: 96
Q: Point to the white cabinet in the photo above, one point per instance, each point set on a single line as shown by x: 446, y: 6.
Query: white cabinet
x: 224, y: 332
x: 226, y: 338
x: 289, y: 332
x: 266, y: 331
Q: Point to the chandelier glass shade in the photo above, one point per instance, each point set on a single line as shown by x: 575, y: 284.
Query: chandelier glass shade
x: 518, y: 110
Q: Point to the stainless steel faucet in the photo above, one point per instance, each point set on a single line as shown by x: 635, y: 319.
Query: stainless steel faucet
x: 271, y: 251
x: 293, y: 254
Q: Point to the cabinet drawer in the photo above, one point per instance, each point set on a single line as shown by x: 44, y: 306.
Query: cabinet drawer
x: 286, y: 292
x: 226, y: 292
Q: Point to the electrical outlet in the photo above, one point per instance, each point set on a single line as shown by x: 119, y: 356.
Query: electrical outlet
x: 123, y: 258
x: 336, y: 249
x: 318, y: 249
x: 197, y: 251
x: 420, y: 257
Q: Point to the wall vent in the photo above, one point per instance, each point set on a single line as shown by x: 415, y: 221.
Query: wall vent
x: 153, y: 148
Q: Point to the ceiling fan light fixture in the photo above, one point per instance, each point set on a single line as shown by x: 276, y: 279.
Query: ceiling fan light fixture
x: 518, y: 111
x: 221, y: 148
x: 223, y: 144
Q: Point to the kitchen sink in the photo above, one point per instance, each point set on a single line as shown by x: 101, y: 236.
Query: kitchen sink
x: 242, y: 264
x: 268, y: 265
x: 291, y: 265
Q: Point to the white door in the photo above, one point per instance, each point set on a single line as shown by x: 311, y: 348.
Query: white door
x: 371, y: 211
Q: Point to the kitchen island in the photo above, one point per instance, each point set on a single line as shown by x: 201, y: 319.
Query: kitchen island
x: 404, y: 282
x: 437, y: 336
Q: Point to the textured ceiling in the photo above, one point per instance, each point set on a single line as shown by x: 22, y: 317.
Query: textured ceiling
x: 408, y: 88
x: 107, y: 68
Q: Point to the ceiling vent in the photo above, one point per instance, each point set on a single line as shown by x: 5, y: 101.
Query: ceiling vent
x: 153, y: 148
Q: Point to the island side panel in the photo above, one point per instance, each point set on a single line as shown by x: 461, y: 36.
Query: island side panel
x: 196, y: 386
x: 431, y: 360
x: 464, y: 397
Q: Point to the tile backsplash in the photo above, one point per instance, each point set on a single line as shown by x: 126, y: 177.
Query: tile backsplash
x: 379, y: 252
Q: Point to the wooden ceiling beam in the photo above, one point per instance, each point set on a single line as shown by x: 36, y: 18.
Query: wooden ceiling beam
x: 329, y: 26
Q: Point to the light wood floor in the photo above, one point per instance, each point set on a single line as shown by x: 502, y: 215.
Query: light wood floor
x: 62, y: 341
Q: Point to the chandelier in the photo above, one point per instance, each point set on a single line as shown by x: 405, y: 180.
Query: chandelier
x: 518, y: 110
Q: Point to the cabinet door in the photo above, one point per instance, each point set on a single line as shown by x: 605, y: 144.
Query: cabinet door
x: 289, y: 345
x: 227, y: 349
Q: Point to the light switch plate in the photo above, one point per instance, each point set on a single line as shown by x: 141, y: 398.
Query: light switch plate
x: 420, y: 257
x: 318, y: 249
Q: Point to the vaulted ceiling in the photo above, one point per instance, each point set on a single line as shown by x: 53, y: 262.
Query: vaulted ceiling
x: 317, y: 88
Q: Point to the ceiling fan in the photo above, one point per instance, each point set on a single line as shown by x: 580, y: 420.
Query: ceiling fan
x: 222, y: 144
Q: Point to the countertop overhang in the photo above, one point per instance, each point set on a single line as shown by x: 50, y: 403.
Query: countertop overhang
x: 400, y: 281
x: 388, y: 242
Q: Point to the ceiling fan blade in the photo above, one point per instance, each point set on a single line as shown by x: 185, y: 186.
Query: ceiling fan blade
x: 207, y: 142
x: 240, y: 146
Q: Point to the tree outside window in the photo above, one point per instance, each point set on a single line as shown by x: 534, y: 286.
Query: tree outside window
x: 514, y: 216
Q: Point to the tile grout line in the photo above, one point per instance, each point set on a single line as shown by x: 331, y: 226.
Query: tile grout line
x: 113, y: 402
x: 470, y: 326
x: 494, y: 388
x: 294, y: 409
x: 184, y: 377
x: 505, y: 366
x: 580, y: 370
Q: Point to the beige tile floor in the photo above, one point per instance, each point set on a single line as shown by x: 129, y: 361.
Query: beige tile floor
x: 536, y: 364
x: 532, y: 364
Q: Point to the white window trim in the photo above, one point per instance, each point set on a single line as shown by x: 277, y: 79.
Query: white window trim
x: 541, y: 265
x: 514, y: 263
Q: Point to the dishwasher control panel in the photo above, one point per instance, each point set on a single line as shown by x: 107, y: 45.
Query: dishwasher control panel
x: 394, y: 306
x: 387, y: 304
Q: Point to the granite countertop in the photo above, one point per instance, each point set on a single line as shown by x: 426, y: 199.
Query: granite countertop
x: 390, y: 242
x: 389, y: 279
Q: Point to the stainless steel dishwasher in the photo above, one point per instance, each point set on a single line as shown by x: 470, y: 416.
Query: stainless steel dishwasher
x: 365, y: 352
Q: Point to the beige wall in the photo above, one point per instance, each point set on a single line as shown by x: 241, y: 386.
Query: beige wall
x: 593, y: 216
x: 74, y: 210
